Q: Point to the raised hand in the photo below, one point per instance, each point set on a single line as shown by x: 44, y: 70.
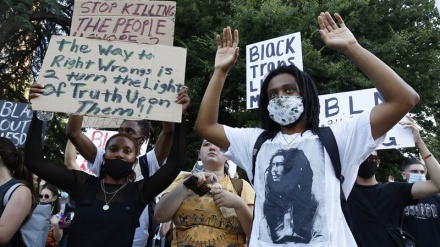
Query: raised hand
x: 183, y: 99
x: 335, y: 37
x: 415, y: 129
x: 227, y: 52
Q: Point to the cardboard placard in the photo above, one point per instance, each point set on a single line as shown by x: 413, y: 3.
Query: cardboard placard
x: 112, y: 79
x: 149, y: 22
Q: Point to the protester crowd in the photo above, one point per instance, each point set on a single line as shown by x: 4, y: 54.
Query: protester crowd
x: 295, y: 196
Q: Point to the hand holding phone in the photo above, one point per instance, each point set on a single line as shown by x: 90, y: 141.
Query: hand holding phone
x: 191, y: 183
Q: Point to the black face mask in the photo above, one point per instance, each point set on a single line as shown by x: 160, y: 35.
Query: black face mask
x: 367, y: 169
x: 117, y: 168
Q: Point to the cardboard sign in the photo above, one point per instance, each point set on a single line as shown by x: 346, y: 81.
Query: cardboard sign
x: 15, y: 119
x: 112, y: 79
x: 341, y: 106
x: 265, y: 56
x: 149, y: 22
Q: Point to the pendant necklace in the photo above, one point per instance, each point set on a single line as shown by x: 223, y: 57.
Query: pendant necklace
x: 106, y: 206
x: 288, y: 143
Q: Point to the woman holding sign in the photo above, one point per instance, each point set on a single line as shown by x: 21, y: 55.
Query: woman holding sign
x: 109, y: 206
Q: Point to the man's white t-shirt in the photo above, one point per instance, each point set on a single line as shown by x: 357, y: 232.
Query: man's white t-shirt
x: 302, y: 206
x: 141, y: 233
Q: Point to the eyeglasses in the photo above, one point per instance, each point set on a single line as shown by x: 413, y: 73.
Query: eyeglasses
x: 373, y: 158
x: 46, y: 196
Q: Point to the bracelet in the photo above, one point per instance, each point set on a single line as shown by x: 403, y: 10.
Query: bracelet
x: 427, y: 156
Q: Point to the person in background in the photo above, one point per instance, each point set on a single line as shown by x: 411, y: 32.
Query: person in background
x: 106, y: 203
x: 202, y: 219
x: 289, y: 118
x: 373, y: 205
x: 20, y: 202
x: 140, y: 130
x: 421, y: 220
x: 49, y: 195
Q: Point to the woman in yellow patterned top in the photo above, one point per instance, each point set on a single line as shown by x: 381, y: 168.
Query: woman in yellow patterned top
x: 221, y: 217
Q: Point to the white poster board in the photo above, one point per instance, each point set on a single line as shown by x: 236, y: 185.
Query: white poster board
x: 265, y: 56
x: 341, y: 106
x: 112, y: 79
x: 149, y: 22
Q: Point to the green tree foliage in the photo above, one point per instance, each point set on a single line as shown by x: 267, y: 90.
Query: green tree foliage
x: 404, y: 34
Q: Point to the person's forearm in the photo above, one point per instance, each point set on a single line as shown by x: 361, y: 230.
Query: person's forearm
x: 70, y: 157
x: 57, y: 233
x: 390, y: 85
x: 164, y: 142
x: 209, y: 109
x: 81, y: 142
x: 176, y: 161
x: 245, y: 217
x: 35, y: 162
x: 431, y: 163
x: 168, y: 205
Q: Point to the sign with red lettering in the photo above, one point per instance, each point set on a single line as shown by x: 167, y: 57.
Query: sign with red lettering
x: 149, y: 22
x: 112, y: 79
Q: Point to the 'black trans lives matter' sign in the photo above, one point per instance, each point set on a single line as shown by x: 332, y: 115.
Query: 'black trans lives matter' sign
x: 112, y: 79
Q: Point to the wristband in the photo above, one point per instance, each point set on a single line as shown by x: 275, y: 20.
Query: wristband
x: 427, y: 156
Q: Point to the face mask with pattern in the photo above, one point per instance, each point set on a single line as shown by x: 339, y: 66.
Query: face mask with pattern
x: 285, y: 110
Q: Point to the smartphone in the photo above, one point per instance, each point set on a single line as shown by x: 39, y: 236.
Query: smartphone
x: 191, y: 183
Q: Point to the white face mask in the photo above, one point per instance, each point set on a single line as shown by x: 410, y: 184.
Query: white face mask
x: 285, y: 109
x: 413, y: 178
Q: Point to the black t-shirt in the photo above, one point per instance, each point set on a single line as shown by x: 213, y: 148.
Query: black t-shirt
x: 387, y: 200
x: 422, y: 221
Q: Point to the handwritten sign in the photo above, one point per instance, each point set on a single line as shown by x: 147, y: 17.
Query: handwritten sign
x: 265, y: 56
x: 15, y: 121
x: 101, y: 122
x: 340, y: 106
x: 150, y: 22
x: 112, y: 79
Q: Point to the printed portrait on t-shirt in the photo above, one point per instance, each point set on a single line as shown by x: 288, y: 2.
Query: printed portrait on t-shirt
x: 289, y: 206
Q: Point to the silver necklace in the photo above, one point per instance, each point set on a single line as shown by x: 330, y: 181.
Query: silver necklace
x: 106, y: 206
x: 288, y: 143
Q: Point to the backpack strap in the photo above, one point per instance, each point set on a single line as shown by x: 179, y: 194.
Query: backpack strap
x: 143, y: 163
x: 9, y: 193
x: 327, y: 138
x: 238, y: 185
x: 260, y: 140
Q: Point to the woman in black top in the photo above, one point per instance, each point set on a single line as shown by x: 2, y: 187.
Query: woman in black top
x: 107, y: 207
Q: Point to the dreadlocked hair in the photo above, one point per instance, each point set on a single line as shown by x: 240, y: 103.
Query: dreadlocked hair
x: 308, y: 92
